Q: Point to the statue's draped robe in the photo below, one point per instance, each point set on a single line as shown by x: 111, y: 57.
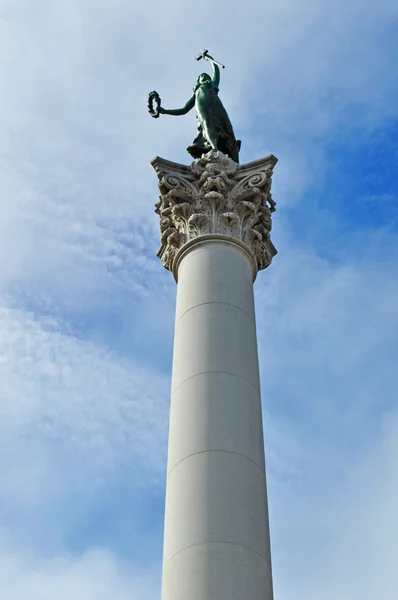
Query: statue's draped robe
x: 212, y: 116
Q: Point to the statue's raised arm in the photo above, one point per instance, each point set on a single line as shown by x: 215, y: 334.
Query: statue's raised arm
x: 216, y: 75
x: 215, y: 131
x: 216, y: 72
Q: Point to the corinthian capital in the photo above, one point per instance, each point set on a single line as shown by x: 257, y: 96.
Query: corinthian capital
x: 216, y: 197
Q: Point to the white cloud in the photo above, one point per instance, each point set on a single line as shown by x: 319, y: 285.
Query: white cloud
x: 72, y: 415
x: 328, y: 347
x: 344, y: 543
x: 96, y: 575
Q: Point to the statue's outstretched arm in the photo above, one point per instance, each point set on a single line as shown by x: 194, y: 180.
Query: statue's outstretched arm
x: 179, y: 111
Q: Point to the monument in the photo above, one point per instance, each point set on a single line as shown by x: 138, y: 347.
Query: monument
x: 215, y: 223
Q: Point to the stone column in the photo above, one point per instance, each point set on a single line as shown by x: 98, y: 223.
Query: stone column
x: 215, y: 225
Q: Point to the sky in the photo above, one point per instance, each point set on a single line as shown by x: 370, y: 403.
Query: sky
x: 87, y: 310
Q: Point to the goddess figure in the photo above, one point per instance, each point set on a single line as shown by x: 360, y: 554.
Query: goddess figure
x: 215, y: 131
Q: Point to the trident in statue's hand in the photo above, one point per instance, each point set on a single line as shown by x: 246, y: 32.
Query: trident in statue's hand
x: 205, y: 54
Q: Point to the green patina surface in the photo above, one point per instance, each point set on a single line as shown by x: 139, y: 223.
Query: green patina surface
x: 215, y: 130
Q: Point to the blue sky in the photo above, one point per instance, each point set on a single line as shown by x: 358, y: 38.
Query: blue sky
x: 86, y: 309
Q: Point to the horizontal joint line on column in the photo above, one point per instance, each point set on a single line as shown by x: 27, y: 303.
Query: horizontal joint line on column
x: 226, y: 303
x: 221, y: 372
x: 224, y: 451
x: 219, y: 542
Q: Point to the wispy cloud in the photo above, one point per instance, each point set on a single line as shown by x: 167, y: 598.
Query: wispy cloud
x: 93, y: 576
x: 73, y: 417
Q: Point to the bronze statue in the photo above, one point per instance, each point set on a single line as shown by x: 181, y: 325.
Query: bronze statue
x: 214, y: 127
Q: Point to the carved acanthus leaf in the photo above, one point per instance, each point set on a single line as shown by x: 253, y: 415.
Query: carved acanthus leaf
x: 215, y: 195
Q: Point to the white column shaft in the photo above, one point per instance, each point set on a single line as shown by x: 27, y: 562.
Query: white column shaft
x: 216, y: 544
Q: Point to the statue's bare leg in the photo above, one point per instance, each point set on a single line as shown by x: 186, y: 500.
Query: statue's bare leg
x: 210, y: 136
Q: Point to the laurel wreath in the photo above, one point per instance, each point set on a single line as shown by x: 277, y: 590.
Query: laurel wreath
x: 154, y: 96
